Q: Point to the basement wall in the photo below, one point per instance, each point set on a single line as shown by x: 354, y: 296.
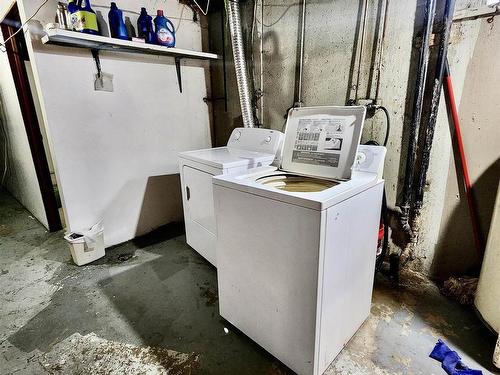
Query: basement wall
x: 330, y: 40
x: 480, y: 124
x: 115, y: 153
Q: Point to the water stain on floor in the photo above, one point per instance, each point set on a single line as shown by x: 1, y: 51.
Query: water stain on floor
x: 91, y: 354
x: 5, y: 230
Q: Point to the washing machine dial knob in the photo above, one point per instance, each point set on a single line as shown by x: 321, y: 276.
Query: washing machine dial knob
x: 360, y: 158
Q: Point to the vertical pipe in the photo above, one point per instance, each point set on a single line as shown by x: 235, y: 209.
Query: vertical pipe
x: 301, y: 58
x: 223, y: 32
x: 417, y: 116
x: 436, y: 95
x: 382, y: 39
x: 361, y: 48
x: 233, y: 13
x: 261, y: 61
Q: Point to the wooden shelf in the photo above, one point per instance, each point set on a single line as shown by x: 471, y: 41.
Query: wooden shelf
x: 81, y: 40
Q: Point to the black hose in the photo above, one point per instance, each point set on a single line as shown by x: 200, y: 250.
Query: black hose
x: 388, y: 125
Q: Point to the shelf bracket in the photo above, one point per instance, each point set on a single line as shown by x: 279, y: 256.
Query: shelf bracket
x: 95, y: 55
x: 178, y: 69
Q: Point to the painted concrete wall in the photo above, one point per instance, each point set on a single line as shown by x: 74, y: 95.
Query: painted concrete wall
x: 329, y: 45
x: 480, y: 122
x: 115, y: 154
x: 21, y: 180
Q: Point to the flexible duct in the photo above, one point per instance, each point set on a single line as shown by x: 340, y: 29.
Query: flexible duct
x: 233, y: 13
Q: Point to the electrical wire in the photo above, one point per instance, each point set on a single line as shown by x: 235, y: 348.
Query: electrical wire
x: 180, y: 18
x: 280, y: 17
x: 3, y: 46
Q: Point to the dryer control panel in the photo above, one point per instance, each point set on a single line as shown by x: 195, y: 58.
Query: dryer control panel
x: 256, y: 139
x: 370, y: 159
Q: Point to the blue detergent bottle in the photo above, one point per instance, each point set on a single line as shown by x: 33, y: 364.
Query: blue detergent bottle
x: 165, y: 32
x: 145, y: 27
x: 116, y: 24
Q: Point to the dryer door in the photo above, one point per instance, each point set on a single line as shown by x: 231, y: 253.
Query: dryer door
x: 199, y: 200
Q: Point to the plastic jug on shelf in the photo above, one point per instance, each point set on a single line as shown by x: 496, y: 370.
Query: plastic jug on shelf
x: 145, y: 27
x: 116, y: 24
x: 165, y: 31
x: 82, y: 18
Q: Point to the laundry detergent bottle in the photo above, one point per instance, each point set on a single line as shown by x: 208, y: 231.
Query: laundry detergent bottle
x: 116, y: 24
x: 165, y: 32
x: 83, y: 18
x: 145, y: 27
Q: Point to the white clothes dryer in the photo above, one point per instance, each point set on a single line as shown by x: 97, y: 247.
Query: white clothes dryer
x: 246, y: 148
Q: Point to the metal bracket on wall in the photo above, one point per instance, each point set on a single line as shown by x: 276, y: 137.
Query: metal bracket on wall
x: 95, y: 55
x: 178, y: 69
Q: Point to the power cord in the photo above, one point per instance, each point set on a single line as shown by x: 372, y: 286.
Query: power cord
x: 374, y: 108
x: 388, y: 124
x: 384, y: 214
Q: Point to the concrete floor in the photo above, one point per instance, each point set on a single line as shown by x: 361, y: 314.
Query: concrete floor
x: 150, y: 307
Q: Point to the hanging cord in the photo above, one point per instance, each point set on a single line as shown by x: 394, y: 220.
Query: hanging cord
x: 388, y: 124
x: 3, y: 46
x: 394, y: 269
x: 373, y: 108
x: 280, y: 17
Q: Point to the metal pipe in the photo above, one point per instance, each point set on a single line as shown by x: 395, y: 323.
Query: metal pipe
x: 240, y: 66
x: 436, y: 95
x: 301, y: 58
x: 224, y: 68
x: 363, y: 36
x: 423, y: 64
x: 262, y: 61
x: 382, y: 39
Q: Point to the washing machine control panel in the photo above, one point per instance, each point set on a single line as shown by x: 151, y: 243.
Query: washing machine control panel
x: 256, y: 139
x: 370, y: 159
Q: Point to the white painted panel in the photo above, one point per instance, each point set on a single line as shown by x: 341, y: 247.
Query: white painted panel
x: 21, y: 180
x: 267, y: 261
x: 199, y: 201
x: 488, y: 289
x: 115, y: 153
x: 350, y: 249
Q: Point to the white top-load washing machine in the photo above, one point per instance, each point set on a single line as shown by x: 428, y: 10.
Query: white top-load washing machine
x: 246, y: 148
x: 296, y: 246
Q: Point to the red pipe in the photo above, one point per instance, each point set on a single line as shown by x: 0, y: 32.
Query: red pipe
x: 452, y: 110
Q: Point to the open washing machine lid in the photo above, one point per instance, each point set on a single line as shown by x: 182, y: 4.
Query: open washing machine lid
x: 322, y: 141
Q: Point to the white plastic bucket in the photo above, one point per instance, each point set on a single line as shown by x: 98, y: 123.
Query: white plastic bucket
x: 86, y: 246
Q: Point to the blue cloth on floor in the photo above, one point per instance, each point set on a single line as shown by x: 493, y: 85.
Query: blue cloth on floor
x: 451, y: 361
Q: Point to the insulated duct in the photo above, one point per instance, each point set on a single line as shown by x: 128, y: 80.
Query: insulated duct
x: 233, y: 13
